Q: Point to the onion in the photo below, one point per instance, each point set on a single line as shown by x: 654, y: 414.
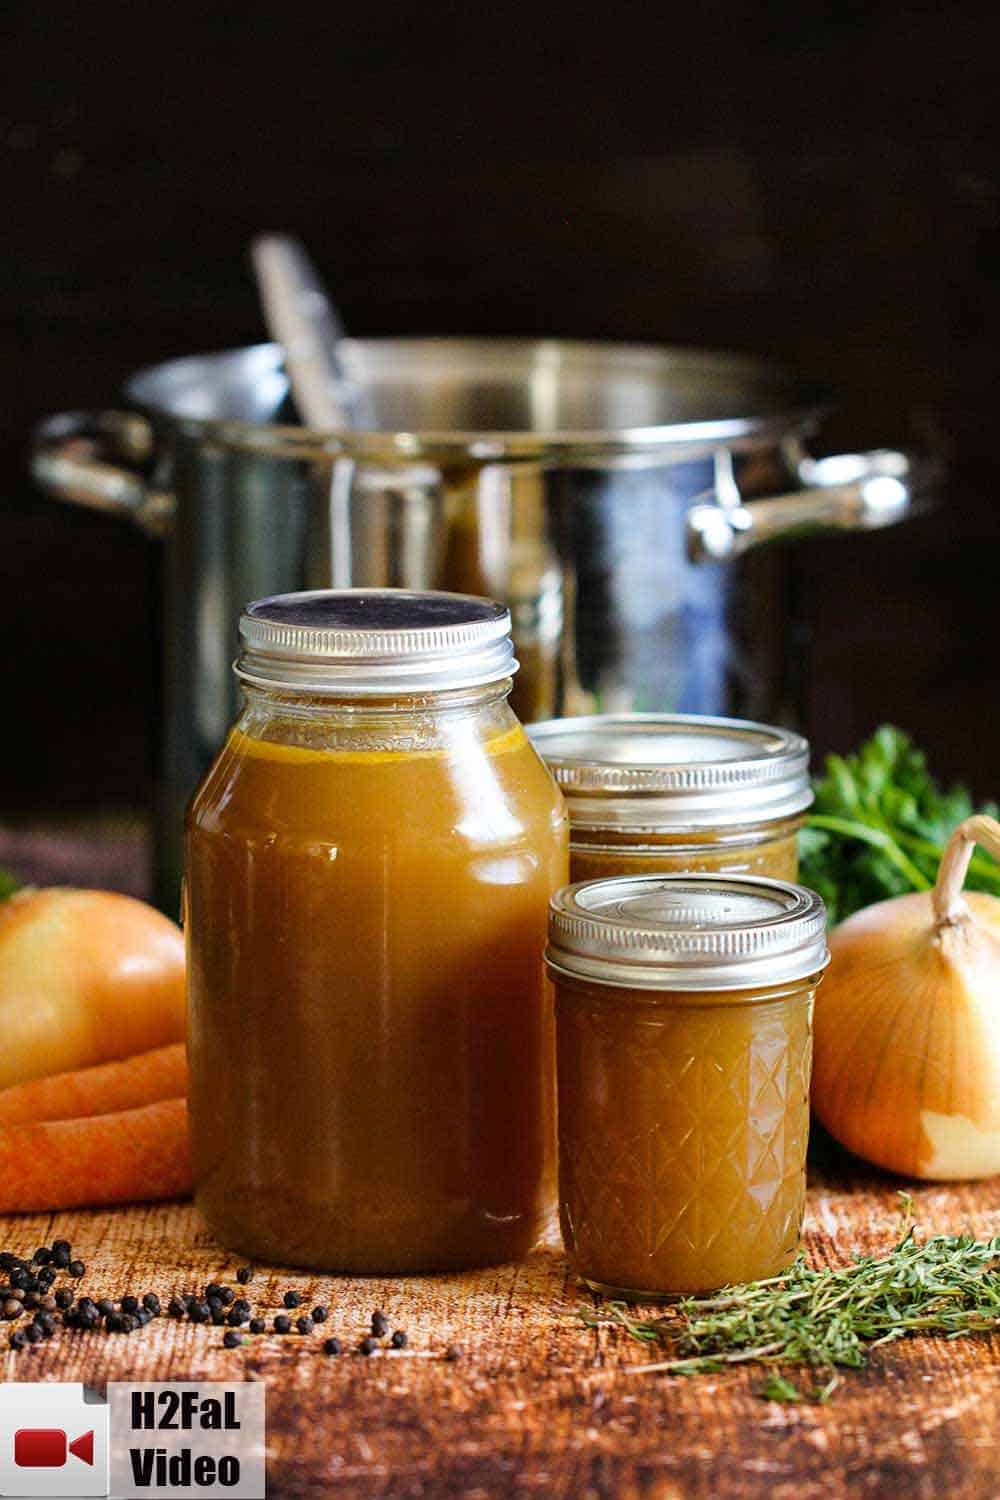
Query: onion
x: 906, y: 1066
x: 85, y: 977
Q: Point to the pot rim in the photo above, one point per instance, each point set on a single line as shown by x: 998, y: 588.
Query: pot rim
x: 786, y: 404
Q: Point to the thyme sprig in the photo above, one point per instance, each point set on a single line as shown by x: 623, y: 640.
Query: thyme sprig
x: 826, y: 1317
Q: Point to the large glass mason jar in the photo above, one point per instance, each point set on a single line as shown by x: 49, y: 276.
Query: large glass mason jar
x: 368, y: 868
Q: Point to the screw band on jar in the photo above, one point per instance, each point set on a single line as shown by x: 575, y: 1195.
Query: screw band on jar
x: 374, y: 642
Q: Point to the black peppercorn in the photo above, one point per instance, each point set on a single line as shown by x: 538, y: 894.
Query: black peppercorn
x: 190, y: 1300
x: 399, y: 1339
x: 30, y: 1299
x: 176, y: 1308
x: 319, y: 1314
x: 227, y: 1294
x: 60, y: 1255
x: 33, y: 1333
x: 114, y: 1322
x: 242, y: 1305
x: 331, y: 1346
x: 214, y: 1289
x: 46, y: 1322
x: 64, y: 1297
x: 18, y: 1339
x: 48, y: 1304
x: 232, y: 1340
x: 77, y: 1269
x: 236, y: 1317
x: 218, y: 1315
x: 304, y: 1324
x: 44, y: 1279
x: 129, y: 1304
x: 291, y: 1299
x: 12, y: 1308
x: 105, y: 1306
x: 244, y: 1274
x: 282, y: 1324
x: 257, y: 1325
x: 368, y: 1345
x: 23, y: 1282
x: 42, y: 1256
x: 200, y: 1312
x: 380, y: 1324
x: 151, y: 1303
x: 143, y: 1316
x: 62, y: 1246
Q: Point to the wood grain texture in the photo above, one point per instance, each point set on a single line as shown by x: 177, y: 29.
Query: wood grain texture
x: 539, y: 1405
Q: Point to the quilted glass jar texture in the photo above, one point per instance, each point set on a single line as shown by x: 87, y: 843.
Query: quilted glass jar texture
x: 683, y: 1124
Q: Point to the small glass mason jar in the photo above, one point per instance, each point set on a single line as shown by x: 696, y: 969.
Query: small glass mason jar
x: 678, y: 793
x: 369, y: 863
x: 684, y: 1042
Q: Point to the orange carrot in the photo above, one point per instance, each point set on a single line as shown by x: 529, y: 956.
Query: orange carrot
x: 160, y: 1074
x: 130, y: 1156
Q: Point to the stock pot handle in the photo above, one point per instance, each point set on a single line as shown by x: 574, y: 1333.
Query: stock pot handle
x: 847, y: 492
x: 80, y: 457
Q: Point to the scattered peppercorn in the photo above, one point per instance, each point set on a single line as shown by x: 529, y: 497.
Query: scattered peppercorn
x: 42, y: 1256
x: 236, y: 1317
x: 257, y: 1325
x: 331, y: 1346
x: 44, y: 1279
x: 30, y: 1299
x: 226, y: 1295
x: 176, y: 1308
x: 64, y: 1297
x: 60, y: 1255
x: 61, y: 1246
x: 292, y: 1299
x: 33, y: 1333
x: 200, y: 1312
x: 46, y: 1322
x: 319, y: 1314
x: 282, y: 1324
x: 12, y: 1308
x: 114, y: 1322
x: 244, y: 1274
x: 105, y: 1306
x: 242, y: 1305
x: 151, y: 1303
x: 22, y: 1281
x: 380, y: 1324
x: 304, y: 1324
x: 129, y: 1304
x: 399, y: 1339
x: 218, y: 1315
x: 18, y: 1339
x: 214, y: 1289
x: 48, y: 1304
x: 368, y: 1345
x: 232, y: 1339
x: 453, y: 1352
x: 77, y: 1269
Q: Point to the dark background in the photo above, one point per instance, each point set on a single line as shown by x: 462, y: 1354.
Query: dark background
x: 816, y: 183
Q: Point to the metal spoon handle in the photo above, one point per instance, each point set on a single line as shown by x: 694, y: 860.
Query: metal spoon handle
x: 301, y: 317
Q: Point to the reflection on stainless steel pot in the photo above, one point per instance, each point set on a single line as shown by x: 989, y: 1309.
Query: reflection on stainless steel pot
x: 615, y: 496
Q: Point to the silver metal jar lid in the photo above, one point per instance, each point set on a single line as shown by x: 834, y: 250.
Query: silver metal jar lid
x: 674, y: 772
x: 373, y: 642
x: 687, y: 932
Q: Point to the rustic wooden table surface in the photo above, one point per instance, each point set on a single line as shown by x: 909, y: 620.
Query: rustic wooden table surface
x: 539, y: 1405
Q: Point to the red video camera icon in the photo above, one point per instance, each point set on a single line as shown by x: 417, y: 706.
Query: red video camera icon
x: 47, y: 1448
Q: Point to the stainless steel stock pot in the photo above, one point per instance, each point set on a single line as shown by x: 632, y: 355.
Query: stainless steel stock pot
x: 616, y: 496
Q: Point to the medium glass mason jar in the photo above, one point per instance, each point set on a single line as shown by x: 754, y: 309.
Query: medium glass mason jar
x: 678, y: 793
x: 684, y: 1029
x: 369, y: 866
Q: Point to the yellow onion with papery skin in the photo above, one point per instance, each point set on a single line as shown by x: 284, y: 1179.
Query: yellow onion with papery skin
x: 906, y: 1065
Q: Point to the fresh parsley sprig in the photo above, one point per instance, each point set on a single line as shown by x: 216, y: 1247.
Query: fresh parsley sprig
x: 879, y: 825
